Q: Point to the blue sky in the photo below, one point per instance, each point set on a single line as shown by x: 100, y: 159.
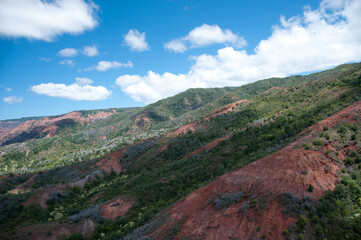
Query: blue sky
x: 64, y: 55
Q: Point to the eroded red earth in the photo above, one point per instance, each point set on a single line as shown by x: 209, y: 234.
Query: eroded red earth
x: 271, y: 176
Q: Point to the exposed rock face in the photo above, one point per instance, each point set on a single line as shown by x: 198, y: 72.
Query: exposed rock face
x: 45, y: 127
x: 199, y: 215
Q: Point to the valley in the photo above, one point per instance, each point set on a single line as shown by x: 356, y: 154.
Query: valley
x: 276, y: 159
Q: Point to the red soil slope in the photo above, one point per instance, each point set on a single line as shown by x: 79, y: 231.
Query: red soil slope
x: 116, y: 208
x: 225, y: 109
x: 49, y: 126
x: 194, y: 125
x: 209, y: 146
x: 271, y: 176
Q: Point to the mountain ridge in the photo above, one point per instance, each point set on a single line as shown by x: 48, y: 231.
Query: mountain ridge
x: 123, y: 193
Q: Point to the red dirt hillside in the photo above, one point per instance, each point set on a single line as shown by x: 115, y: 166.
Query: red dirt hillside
x: 192, y: 126
x: 49, y: 126
x: 266, y: 180
x: 117, y: 207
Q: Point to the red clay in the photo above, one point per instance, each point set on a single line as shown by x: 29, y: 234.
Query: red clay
x: 40, y: 197
x: 25, y: 186
x: 47, y: 125
x: 275, y: 175
x: 272, y: 88
x: 116, y: 208
x: 209, y: 146
x: 225, y: 109
x: 111, y: 162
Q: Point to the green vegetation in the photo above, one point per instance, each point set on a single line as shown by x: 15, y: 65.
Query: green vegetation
x: 158, y: 178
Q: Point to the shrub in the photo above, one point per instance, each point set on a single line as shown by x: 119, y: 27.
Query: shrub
x: 227, y: 199
x: 245, y: 206
x: 307, y: 147
x: 353, y: 136
x: 310, y: 188
x: 91, y: 211
x: 76, y: 236
x: 300, y: 237
x: 327, y: 136
x: 302, y: 221
x: 318, y: 143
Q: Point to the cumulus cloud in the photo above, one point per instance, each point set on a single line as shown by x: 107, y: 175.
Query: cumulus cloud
x: 327, y: 36
x: 83, y: 81
x: 154, y: 86
x: 13, y: 99
x: 175, y: 46
x: 90, y: 51
x: 68, y: 52
x: 9, y: 89
x: 106, y: 65
x: 205, y: 35
x: 136, y: 41
x: 68, y: 62
x: 44, y: 20
x: 76, y: 91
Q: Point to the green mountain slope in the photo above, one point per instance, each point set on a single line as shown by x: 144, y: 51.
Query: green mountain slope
x: 75, y: 142
x: 164, y: 164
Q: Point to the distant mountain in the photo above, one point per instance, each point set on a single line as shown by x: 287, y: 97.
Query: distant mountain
x: 279, y: 158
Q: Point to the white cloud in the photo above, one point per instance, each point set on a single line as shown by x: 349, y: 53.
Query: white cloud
x: 106, y: 65
x: 317, y: 40
x: 13, y: 99
x: 45, y: 59
x: 175, y: 46
x: 44, y: 20
x: 9, y: 89
x: 154, y: 86
x: 90, y: 51
x: 68, y: 62
x: 74, y: 91
x: 83, y: 81
x: 68, y: 52
x: 136, y: 41
x: 206, y: 35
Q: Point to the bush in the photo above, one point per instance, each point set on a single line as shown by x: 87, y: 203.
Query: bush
x: 300, y: 237
x: 76, y: 236
x: 310, y: 188
x: 285, y: 232
x: 302, y: 221
x: 91, y: 211
x: 318, y: 143
x: 353, y: 136
x: 227, y: 199
x: 327, y: 136
x: 307, y: 147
